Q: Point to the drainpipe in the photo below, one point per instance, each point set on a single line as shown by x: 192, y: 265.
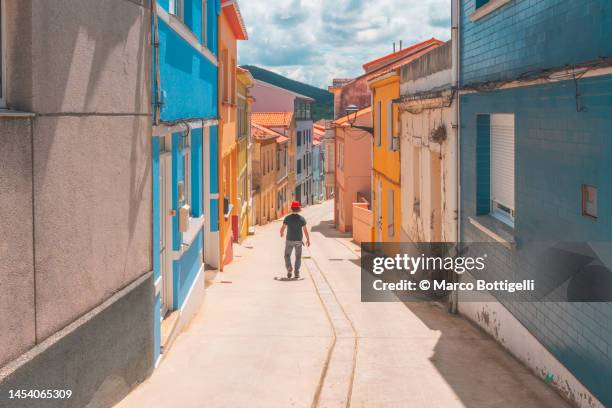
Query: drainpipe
x: 158, y: 91
x: 455, y: 36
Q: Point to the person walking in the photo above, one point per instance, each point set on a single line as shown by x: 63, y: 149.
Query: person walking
x: 295, y: 226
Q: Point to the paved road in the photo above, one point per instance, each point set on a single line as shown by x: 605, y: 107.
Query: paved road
x: 259, y: 342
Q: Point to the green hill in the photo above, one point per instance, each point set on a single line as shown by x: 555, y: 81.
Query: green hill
x: 323, y: 108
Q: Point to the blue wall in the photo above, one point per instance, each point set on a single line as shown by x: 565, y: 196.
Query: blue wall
x: 188, y: 79
x: 557, y: 150
x: 528, y: 35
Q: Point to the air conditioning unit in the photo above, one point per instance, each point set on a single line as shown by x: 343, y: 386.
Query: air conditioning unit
x: 395, y: 143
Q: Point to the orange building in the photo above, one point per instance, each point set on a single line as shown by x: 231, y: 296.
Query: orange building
x: 231, y: 30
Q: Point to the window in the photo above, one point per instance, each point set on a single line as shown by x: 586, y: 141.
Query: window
x: 502, y: 167
x: 185, y: 185
x: 480, y: 3
x: 377, y: 131
x: 177, y: 7
x: 299, y: 138
x: 2, y: 59
x: 224, y: 72
x: 589, y: 201
x: 390, y: 213
x: 390, y: 125
x: 299, y: 166
x: 205, y: 23
x: 233, y: 79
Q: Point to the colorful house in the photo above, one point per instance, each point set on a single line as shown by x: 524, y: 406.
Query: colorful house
x: 231, y: 30
x: 264, y: 172
x: 535, y: 176
x: 273, y: 99
x: 318, y: 163
x: 429, y: 177
x: 245, y: 81
x: 386, y: 191
x: 282, y: 176
x: 353, y: 150
x: 184, y: 158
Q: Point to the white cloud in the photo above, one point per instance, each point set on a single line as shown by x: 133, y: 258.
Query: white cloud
x: 317, y: 40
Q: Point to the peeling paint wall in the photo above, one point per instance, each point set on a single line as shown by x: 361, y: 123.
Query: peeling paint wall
x: 428, y: 207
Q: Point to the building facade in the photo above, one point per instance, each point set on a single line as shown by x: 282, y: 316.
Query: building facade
x: 183, y: 137
x: 318, y: 167
x: 271, y: 99
x: 329, y: 164
x: 245, y: 82
x: 264, y: 173
x: 386, y: 192
x: 429, y: 174
x: 282, y: 176
x: 303, y: 150
x: 75, y: 186
x: 231, y: 30
x: 535, y: 171
x: 353, y: 171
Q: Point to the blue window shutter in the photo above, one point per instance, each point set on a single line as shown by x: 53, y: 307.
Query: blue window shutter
x: 483, y: 164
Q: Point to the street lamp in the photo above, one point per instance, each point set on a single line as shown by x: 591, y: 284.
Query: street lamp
x: 351, y: 115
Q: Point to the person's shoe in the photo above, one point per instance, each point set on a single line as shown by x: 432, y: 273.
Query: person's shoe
x: 289, y: 274
x: 297, y: 275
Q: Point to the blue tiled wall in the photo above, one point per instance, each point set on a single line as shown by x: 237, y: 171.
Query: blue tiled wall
x: 557, y: 150
x: 528, y: 35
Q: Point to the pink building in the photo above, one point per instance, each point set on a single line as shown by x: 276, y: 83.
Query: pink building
x: 353, y: 167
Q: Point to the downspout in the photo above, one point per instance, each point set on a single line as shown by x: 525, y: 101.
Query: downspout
x: 158, y: 91
x: 455, y: 36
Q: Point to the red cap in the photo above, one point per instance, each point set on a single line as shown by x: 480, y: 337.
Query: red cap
x: 296, y: 205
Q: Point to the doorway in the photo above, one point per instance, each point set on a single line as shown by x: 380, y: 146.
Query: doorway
x: 165, y: 230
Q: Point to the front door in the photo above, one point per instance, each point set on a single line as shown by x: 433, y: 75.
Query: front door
x: 165, y: 230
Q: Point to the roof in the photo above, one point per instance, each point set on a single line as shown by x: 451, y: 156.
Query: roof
x: 232, y: 13
x: 282, y: 139
x: 344, y: 118
x: 318, y: 130
x: 261, y: 133
x: 272, y: 119
x: 245, y: 76
x: 393, y: 57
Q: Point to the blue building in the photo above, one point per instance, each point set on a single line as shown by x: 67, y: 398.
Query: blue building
x: 536, y: 170
x: 185, y: 158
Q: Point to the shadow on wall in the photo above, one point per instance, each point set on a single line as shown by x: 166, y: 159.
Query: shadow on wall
x: 91, y: 75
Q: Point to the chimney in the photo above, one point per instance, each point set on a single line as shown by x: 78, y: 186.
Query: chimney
x: 393, y: 46
x: 400, y: 45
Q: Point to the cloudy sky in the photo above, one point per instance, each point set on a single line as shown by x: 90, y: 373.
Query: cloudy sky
x: 316, y: 40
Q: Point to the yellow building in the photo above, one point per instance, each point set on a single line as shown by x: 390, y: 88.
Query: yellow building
x: 245, y: 81
x: 231, y: 30
x: 386, y: 182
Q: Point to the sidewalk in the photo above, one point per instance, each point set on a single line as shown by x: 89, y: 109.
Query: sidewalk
x: 258, y: 342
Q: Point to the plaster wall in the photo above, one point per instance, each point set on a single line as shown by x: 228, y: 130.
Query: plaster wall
x: 270, y: 98
x: 16, y: 244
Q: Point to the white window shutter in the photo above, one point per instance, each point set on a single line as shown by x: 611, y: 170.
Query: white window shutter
x: 502, y: 159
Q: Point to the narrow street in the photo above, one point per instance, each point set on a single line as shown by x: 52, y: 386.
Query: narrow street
x: 260, y: 342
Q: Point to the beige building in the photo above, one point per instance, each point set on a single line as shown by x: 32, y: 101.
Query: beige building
x: 264, y: 173
x: 428, y: 149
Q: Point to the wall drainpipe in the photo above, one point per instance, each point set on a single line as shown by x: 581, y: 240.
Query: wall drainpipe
x: 158, y: 91
x: 455, y: 36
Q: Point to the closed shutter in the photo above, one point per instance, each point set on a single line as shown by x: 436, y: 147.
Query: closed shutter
x: 390, y: 125
x: 502, y: 160
x: 378, y: 129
